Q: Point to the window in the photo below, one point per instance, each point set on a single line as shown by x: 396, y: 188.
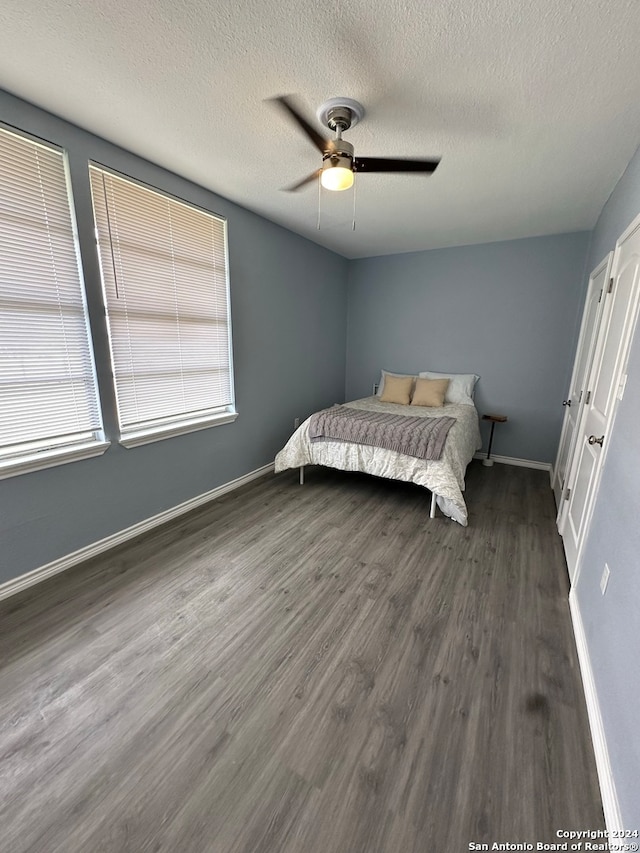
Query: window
x: 165, y: 279
x: 49, y: 411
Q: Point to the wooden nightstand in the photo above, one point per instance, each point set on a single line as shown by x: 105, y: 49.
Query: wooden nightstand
x: 495, y: 419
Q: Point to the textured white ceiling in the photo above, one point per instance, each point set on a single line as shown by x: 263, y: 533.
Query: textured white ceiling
x: 534, y: 108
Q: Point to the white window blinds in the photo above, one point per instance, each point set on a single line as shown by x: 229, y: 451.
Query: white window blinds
x: 48, y: 398
x: 164, y: 272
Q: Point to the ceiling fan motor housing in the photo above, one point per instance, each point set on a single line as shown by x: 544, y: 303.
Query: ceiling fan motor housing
x: 340, y: 150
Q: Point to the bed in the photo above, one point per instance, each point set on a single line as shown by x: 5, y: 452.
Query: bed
x: 443, y: 477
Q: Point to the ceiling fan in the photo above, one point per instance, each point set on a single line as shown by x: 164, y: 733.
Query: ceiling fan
x: 338, y: 161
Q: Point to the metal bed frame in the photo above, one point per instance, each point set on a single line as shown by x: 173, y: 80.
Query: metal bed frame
x: 432, y: 508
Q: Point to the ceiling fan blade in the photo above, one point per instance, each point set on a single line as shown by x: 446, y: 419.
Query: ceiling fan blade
x: 312, y: 134
x: 303, y: 183
x: 388, y: 164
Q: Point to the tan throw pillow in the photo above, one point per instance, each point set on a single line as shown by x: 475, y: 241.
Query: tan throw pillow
x: 397, y: 389
x: 429, y: 392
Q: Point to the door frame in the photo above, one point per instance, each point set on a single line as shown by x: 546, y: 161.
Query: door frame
x: 633, y: 309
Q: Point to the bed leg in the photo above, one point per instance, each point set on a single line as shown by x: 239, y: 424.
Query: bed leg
x: 302, y: 475
x: 432, y: 511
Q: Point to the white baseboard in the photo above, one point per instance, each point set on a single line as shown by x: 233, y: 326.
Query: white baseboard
x: 513, y: 460
x: 60, y: 565
x: 612, y: 815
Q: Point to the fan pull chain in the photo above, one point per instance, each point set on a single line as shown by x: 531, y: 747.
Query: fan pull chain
x: 355, y: 184
x: 319, y: 197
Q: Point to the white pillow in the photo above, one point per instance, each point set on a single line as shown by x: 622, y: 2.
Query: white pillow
x: 381, y: 383
x: 461, y: 385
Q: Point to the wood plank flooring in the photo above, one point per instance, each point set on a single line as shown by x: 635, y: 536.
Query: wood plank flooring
x: 315, y: 669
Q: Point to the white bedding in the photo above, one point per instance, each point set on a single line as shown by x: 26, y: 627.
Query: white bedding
x: 445, y: 477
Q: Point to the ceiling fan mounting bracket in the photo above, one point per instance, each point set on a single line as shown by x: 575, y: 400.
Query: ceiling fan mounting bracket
x: 340, y: 113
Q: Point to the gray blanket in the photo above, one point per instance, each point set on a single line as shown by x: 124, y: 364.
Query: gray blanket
x: 420, y: 437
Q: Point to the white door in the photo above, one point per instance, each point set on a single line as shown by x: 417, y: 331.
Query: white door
x: 598, y: 284
x: 605, y: 388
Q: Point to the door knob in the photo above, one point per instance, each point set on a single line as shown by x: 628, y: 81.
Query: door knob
x: 566, y: 402
x: 593, y: 440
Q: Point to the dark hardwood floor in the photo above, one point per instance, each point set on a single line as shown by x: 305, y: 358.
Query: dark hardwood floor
x: 315, y: 669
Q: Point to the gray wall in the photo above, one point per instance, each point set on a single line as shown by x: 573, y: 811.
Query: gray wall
x: 289, y: 307
x: 506, y: 311
x: 612, y: 622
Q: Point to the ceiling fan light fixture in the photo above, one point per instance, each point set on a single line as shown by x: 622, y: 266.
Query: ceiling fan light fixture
x: 337, y: 174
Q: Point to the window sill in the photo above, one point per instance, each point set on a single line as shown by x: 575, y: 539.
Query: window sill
x: 147, y: 436
x: 51, y: 458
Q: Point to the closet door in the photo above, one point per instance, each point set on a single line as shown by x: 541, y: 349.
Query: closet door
x: 605, y: 386
x: 598, y: 283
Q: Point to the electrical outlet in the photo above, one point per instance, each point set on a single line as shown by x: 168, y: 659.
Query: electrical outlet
x: 604, y: 580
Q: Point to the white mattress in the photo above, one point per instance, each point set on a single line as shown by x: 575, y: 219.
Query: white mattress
x: 445, y: 477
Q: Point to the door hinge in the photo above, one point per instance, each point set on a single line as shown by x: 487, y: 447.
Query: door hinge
x: 622, y: 386
x: 586, y: 402
x: 580, y: 398
x: 600, y: 297
x: 567, y: 494
x: 610, y: 285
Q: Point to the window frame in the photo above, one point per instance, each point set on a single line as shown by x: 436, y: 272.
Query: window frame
x: 167, y: 426
x: 48, y: 452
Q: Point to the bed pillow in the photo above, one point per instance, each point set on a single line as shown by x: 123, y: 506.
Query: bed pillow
x: 383, y: 376
x: 429, y: 392
x: 460, y: 388
x: 397, y: 389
